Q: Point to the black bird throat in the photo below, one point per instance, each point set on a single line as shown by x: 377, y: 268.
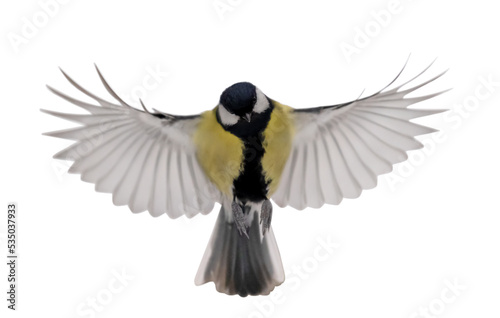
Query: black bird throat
x: 251, y: 184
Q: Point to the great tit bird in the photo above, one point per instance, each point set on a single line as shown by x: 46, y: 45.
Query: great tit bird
x: 247, y: 150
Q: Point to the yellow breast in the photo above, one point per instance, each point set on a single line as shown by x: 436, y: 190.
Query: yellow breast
x: 277, y: 144
x: 219, y: 152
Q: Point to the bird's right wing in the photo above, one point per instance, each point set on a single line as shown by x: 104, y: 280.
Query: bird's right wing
x: 147, y: 160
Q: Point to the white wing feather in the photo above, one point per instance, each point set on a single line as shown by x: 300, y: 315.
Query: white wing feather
x: 147, y: 161
x: 339, y: 150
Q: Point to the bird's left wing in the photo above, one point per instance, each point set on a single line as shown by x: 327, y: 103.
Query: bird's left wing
x: 339, y: 150
x: 147, y: 160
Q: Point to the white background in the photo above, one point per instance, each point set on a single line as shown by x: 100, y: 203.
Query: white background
x: 432, y: 222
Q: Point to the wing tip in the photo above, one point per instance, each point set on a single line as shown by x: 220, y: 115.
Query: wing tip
x: 65, y: 74
x: 50, y: 133
x: 50, y: 88
x: 49, y: 112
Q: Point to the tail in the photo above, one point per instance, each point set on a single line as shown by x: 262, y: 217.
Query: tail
x: 240, y: 265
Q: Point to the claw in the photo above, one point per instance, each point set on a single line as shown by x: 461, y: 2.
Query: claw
x: 239, y: 219
x: 266, y: 214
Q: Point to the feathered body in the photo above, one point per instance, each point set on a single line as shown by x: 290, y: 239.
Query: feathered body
x: 245, y: 160
x: 226, y: 156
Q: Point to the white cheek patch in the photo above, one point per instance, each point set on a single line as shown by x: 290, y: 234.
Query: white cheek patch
x: 226, y: 117
x: 262, y: 102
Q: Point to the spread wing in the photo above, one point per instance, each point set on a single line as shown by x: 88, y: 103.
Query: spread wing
x: 147, y: 160
x: 339, y: 150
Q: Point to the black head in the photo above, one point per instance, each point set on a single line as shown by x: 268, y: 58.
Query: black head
x: 241, y: 102
x: 239, y: 98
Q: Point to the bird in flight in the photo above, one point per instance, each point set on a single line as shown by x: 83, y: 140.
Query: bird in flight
x: 245, y: 152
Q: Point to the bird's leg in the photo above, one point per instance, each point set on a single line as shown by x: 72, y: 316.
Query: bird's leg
x: 239, y: 218
x: 266, y: 214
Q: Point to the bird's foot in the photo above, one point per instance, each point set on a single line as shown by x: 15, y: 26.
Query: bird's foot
x: 239, y: 218
x: 266, y: 214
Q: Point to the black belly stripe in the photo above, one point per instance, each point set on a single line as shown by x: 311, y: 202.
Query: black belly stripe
x: 251, y: 185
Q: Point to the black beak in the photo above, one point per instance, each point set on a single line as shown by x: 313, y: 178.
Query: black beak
x: 248, y: 117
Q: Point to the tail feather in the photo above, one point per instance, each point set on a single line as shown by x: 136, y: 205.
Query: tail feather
x: 240, y: 265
